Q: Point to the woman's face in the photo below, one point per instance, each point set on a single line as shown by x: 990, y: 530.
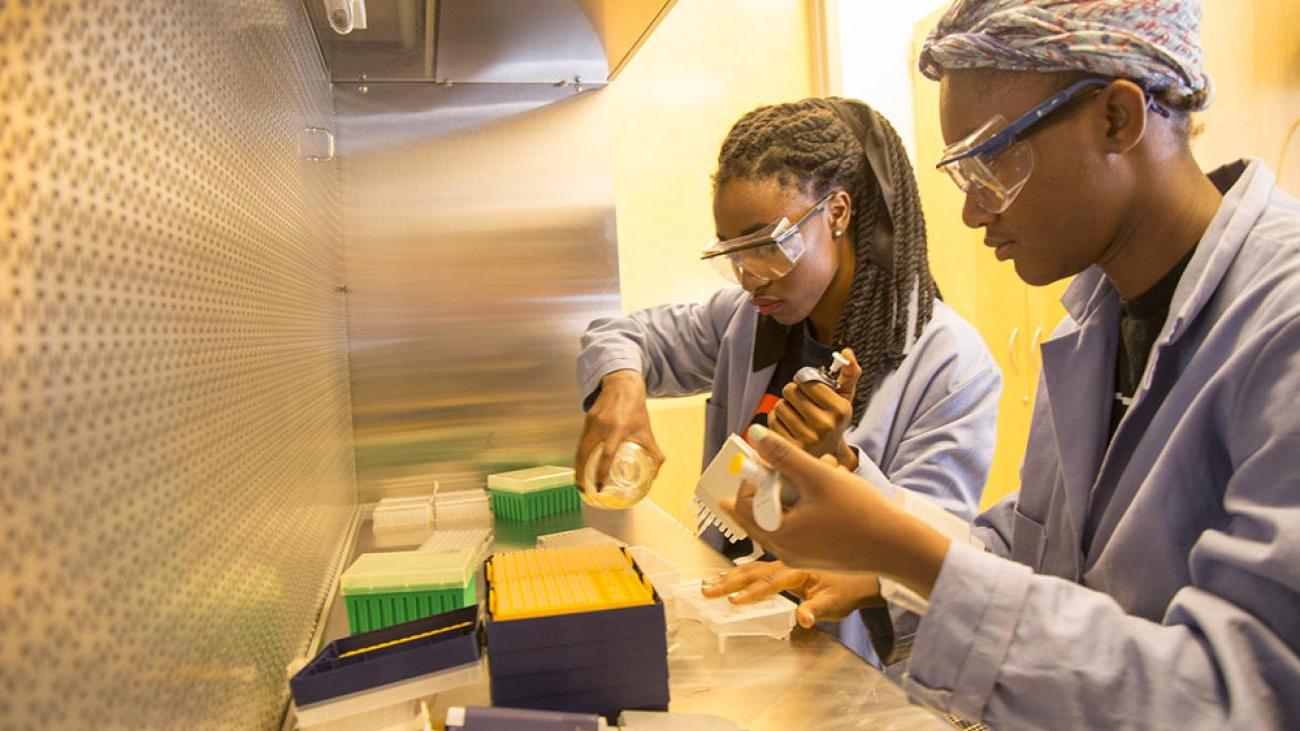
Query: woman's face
x: 1063, y: 219
x: 743, y: 206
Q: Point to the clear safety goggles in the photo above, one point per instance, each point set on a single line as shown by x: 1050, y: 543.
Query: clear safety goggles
x: 767, y: 254
x: 994, y: 162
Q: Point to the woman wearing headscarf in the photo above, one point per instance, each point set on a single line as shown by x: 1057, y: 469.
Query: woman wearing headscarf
x: 819, y: 222
x: 1147, y: 575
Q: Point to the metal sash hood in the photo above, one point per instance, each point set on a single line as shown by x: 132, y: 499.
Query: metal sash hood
x: 558, y: 42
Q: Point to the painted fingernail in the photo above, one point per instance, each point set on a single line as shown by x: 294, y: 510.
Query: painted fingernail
x: 758, y: 432
x: 710, y: 582
x: 733, y: 596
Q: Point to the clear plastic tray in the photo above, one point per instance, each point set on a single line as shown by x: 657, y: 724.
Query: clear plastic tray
x: 772, y: 617
x: 402, y: 521
x: 476, y: 541
x: 663, y: 576
x: 579, y: 537
x: 461, y: 506
x: 398, y: 513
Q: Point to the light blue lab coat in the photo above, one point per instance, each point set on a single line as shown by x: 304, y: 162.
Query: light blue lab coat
x: 929, y: 426
x: 1185, y: 612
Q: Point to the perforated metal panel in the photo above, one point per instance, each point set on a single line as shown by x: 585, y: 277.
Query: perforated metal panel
x: 176, y: 469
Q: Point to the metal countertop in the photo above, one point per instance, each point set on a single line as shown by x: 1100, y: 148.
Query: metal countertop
x: 809, y: 682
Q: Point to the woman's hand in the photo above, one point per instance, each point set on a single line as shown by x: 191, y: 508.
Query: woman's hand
x: 839, y: 522
x: 815, y: 416
x: 824, y: 595
x: 618, y: 415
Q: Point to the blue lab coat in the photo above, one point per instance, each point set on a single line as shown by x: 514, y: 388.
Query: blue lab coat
x: 1185, y: 610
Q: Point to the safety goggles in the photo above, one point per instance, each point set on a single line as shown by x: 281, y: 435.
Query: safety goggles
x: 767, y: 254
x: 993, y: 163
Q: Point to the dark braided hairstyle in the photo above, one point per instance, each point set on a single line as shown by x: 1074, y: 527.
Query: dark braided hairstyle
x: 808, y: 145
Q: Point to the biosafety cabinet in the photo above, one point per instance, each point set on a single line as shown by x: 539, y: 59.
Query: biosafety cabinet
x: 267, y: 263
x: 239, y: 248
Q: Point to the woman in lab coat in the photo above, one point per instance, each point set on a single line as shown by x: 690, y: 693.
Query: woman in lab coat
x: 917, y: 406
x: 1148, y: 573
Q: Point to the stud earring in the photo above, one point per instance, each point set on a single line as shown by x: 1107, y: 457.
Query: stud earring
x: 838, y: 233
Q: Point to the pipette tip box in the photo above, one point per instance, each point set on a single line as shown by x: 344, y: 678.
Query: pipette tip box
x: 477, y: 541
x: 575, y: 629
x: 457, y: 507
x: 373, y: 671
x: 536, y: 492
x: 384, y: 589
x: 401, y: 521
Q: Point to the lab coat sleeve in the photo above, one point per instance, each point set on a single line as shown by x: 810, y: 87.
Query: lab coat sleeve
x: 893, y: 629
x: 1019, y: 650
x: 674, y: 347
x: 944, y: 455
x: 947, y: 445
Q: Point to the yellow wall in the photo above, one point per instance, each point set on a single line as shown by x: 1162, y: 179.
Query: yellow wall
x: 1252, y: 50
x: 707, y: 63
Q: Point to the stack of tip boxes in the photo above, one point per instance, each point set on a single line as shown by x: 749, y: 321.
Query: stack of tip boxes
x: 537, y: 492
x: 373, y: 679
x: 575, y: 629
x: 384, y: 589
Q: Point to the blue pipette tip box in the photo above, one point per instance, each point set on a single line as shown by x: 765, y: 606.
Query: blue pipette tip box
x: 600, y: 662
x: 330, y: 676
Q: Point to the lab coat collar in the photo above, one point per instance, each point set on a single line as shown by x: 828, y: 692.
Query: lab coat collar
x: 1078, y: 363
x: 1247, y: 185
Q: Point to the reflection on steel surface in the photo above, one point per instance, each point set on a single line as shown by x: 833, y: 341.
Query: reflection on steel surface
x: 506, y: 41
x: 479, y: 224
x: 175, y: 459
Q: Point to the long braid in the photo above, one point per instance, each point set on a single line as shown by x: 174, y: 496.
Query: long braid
x: 808, y: 146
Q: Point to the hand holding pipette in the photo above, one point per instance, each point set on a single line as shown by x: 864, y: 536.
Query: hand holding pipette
x: 816, y: 408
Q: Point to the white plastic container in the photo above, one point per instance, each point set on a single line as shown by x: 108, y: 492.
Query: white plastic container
x: 477, y: 541
x: 402, y: 521
x: 461, y: 506
x: 771, y: 617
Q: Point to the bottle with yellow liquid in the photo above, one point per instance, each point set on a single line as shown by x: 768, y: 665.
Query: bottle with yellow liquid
x: 629, y: 479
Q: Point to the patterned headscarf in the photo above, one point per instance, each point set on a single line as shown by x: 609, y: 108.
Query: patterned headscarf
x: 1151, y: 42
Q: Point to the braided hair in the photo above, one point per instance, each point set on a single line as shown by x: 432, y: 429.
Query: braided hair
x: 809, y: 146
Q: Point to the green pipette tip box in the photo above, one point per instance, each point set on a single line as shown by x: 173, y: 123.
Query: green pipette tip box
x: 533, y: 493
x: 384, y: 589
